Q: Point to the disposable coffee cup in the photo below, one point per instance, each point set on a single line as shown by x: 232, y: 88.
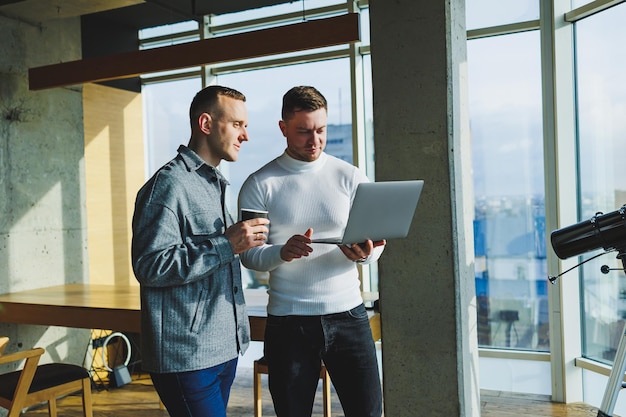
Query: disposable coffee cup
x: 247, y: 214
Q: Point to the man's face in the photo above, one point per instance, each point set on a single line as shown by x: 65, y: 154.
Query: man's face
x: 306, y: 134
x: 229, y: 130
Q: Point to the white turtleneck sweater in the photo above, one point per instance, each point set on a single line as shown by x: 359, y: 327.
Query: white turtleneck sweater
x: 299, y: 195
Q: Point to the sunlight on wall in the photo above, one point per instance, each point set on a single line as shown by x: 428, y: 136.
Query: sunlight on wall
x: 114, y: 166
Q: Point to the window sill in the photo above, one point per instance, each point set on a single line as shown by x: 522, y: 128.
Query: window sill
x: 514, y: 354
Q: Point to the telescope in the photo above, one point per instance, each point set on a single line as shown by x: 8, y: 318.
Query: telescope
x: 607, y: 231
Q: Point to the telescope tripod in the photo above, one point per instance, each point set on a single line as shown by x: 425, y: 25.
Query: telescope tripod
x: 616, y: 377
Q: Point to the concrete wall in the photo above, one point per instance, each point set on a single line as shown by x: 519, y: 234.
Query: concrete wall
x: 43, y: 238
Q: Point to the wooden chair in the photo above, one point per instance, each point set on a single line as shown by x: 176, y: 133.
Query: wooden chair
x: 37, y: 384
x: 260, y: 367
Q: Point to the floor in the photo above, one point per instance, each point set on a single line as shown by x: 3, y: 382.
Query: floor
x: 138, y: 399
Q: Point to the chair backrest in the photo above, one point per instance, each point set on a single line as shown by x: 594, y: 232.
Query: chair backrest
x: 4, y: 342
x: 19, y: 390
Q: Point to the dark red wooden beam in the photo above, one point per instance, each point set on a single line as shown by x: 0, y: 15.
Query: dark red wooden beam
x: 282, y: 39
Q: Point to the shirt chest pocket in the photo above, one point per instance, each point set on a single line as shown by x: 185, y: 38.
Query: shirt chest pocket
x: 203, y: 225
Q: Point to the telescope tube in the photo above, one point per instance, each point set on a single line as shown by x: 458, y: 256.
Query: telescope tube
x: 606, y: 231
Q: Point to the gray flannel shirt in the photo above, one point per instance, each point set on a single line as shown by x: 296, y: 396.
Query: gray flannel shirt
x: 193, y: 313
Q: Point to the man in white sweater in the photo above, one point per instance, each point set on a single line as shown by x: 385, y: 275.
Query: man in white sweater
x: 315, y: 310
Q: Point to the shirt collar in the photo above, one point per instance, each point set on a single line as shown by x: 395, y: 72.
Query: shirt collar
x: 193, y: 162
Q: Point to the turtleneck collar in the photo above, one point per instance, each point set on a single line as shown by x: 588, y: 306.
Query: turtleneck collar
x: 295, y: 165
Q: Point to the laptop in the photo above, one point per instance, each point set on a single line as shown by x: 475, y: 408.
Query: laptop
x: 380, y: 210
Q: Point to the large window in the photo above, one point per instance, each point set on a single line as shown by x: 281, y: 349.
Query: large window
x: 601, y: 89
x: 507, y: 154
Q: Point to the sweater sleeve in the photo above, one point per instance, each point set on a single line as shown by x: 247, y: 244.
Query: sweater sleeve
x: 261, y: 258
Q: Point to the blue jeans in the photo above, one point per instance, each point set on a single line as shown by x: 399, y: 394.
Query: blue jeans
x: 202, y: 393
x: 295, y: 347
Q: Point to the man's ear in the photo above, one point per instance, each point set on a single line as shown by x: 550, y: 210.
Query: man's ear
x: 205, y: 123
x: 283, y: 127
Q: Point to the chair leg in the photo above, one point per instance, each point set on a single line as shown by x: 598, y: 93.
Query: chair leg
x: 52, y: 407
x: 87, y: 402
x: 326, y: 392
x: 258, y: 404
x: 14, y: 411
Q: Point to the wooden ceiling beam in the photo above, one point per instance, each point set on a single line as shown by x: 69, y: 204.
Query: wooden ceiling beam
x: 277, y: 40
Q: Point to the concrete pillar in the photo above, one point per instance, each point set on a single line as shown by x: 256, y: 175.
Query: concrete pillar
x: 421, y: 131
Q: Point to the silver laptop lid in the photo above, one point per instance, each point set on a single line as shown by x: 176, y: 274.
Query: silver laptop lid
x: 380, y: 210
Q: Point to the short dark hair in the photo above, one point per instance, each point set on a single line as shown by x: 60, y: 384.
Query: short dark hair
x: 302, y: 98
x: 205, y: 101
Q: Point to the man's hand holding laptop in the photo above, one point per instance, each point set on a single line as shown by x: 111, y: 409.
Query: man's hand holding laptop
x: 359, y: 252
x: 298, y: 246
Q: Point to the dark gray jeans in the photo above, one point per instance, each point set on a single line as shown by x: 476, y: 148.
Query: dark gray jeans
x: 295, y: 347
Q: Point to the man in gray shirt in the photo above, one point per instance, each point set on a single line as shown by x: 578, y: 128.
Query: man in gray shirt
x: 185, y: 254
